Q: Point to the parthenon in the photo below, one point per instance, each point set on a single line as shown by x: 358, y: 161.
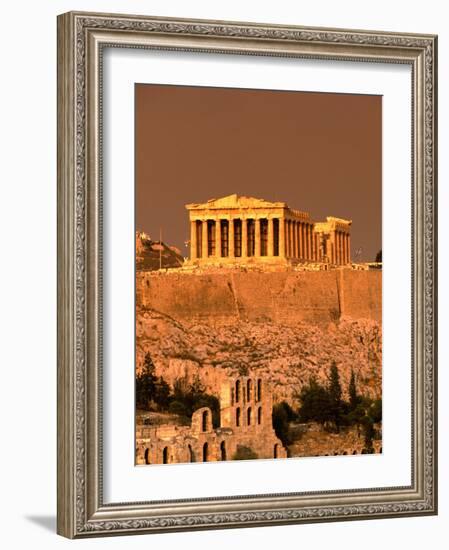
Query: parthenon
x: 241, y: 230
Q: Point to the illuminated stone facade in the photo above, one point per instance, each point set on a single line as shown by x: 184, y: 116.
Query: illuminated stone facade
x: 246, y: 230
x: 245, y: 422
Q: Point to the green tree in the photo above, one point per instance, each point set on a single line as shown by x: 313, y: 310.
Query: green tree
x: 335, y: 393
x: 178, y: 408
x: 197, y: 387
x: 162, y: 393
x: 282, y: 415
x: 146, y: 384
x: 180, y: 387
x: 368, y: 433
x: 356, y: 416
x: 193, y: 396
x: 375, y: 411
x: 352, y: 391
x: 314, y: 402
x: 244, y: 453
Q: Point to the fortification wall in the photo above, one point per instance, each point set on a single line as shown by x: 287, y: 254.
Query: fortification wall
x: 361, y: 294
x: 284, y: 297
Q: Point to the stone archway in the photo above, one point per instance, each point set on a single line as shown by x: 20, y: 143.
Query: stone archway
x: 165, y: 456
x: 223, y: 450
x: 191, y: 455
x: 204, y: 421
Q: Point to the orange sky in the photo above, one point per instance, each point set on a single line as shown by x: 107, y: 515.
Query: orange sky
x: 318, y: 152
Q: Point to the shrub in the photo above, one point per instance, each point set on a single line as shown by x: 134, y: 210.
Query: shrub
x: 179, y: 408
x: 146, y: 384
x: 315, y: 403
x: 244, y: 453
x: 375, y: 410
x: 193, y: 397
x: 282, y: 416
x: 150, y: 389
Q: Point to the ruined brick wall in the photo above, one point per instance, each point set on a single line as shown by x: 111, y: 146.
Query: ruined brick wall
x: 284, y: 297
x: 245, y: 421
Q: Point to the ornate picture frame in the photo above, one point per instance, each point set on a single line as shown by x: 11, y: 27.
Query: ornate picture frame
x: 82, y: 39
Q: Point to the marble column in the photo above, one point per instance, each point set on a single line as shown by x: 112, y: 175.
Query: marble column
x: 231, y: 252
x: 337, y: 248
x: 313, y: 245
x: 304, y: 241
x: 244, y: 238
x: 193, y: 242
x: 334, y: 249
x: 310, y: 242
x: 298, y: 240
x: 348, y: 248
x: 256, y: 237
x: 270, y: 243
x: 330, y: 248
x: 294, y: 240
x: 282, y: 238
x: 204, y: 253
x: 342, y: 248
x: 218, y: 238
x: 290, y: 238
x: 298, y: 237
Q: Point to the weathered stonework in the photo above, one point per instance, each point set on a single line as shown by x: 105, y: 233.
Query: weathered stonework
x: 283, y: 297
x: 247, y: 230
x: 245, y: 421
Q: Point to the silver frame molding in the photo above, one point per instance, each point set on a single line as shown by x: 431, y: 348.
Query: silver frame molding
x: 81, y: 39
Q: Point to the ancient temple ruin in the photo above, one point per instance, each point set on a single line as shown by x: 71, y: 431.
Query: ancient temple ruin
x: 239, y: 230
x: 245, y: 422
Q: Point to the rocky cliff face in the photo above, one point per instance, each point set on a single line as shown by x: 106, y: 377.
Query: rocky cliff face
x: 285, y: 355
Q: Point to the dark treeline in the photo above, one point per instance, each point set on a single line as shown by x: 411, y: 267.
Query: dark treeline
x: 154, y: 394
x: 323, y: 403
x: 317, y: 402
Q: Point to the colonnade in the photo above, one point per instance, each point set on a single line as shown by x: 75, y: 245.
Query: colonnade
x: 339, y: 251
x: 301, y: 241
x: 247, y: 237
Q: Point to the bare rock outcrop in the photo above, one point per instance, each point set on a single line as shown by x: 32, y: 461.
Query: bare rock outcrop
x: 286, y: 355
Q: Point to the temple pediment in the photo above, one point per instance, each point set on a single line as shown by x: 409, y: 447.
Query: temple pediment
x: 235, y: 201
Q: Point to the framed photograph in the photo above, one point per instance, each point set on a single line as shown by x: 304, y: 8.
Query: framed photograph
x: 246, y: 274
